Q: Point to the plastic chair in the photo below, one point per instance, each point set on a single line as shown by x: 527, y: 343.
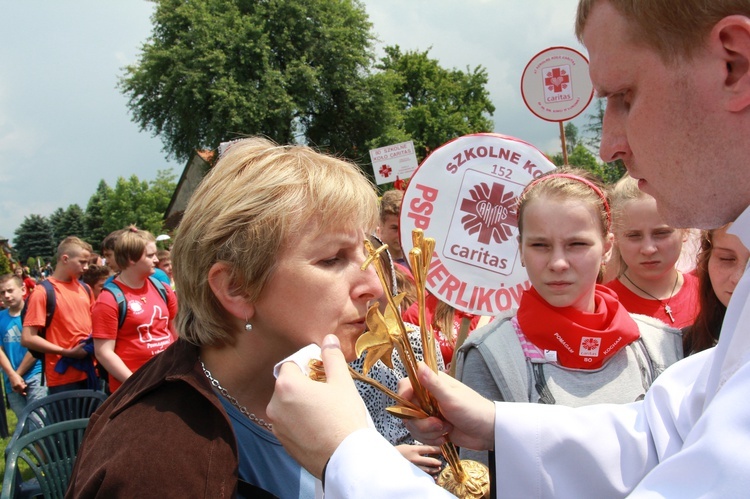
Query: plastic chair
x: 50, y: 452
x: 56, y: 408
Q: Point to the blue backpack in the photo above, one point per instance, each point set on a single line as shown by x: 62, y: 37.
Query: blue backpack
x: 122, y: 307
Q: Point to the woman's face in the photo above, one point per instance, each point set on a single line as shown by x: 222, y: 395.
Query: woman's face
x: 145, y: 265
x: 726, y: 263
x: 649, y: 247
x: 317, y: 288
x: 562, y: 249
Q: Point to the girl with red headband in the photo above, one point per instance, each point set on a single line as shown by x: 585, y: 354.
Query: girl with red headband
x: 570, y: 342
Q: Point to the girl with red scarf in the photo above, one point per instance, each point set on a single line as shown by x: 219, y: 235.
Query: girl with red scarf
x: 570, y: 342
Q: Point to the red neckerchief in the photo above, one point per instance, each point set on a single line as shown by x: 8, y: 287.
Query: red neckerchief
x: 582, y: 340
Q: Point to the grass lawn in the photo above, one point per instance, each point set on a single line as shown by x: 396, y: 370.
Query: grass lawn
x: 12, y: 420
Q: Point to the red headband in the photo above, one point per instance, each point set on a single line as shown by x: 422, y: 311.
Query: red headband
x: 577, y: 179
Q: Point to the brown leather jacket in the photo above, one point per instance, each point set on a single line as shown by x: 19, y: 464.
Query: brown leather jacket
x: 164, y: 433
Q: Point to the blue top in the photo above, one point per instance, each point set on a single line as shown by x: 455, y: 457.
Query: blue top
x: 264, y: 462
x: 10, y: 329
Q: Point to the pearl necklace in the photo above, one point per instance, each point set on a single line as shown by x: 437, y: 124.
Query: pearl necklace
x: 223, y: 391
x: 667, y: 308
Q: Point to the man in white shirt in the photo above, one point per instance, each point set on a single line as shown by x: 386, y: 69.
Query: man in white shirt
x: 676, y: 76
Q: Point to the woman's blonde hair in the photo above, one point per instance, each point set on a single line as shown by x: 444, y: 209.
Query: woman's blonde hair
x: 249, y: 206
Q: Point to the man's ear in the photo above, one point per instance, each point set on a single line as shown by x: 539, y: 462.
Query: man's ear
x: 731, y: 39
x: 225, y: 289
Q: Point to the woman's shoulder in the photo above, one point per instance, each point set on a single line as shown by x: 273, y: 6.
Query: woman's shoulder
x: 663, y: 343
x: 499, y: 325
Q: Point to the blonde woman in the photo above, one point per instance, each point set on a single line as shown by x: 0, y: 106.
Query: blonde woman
x: 267, y: 260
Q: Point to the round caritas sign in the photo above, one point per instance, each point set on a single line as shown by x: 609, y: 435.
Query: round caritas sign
x: 464, y: 196
x: 556, y: 85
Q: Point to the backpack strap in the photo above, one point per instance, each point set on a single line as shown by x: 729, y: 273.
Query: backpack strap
x: 113, y: 288
x: 159, y: 285
x: 87, y: 288
x: 51, y: 302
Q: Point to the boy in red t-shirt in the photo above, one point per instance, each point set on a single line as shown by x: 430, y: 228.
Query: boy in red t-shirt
x: 71, y: 322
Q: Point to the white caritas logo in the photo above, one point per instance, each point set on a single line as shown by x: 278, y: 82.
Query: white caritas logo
x: 589, y: 346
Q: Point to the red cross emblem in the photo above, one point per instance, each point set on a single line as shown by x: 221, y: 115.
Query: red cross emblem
x: 557, y: 80
x: 385, y: 171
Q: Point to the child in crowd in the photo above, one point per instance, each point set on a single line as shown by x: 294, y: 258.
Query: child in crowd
x: 721, y: 262
x: 28, y: 282
x: 148, y: 327
x: 570, y: 342
x: 165, y: 264
x: 22, y: 373
x: 648, y: 282
x: 95, y: 276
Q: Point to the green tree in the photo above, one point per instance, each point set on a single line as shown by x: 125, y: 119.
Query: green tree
x: 571, y: 136
x: 33, y: 238
x: 593, y: 127
x: 436, y: 104
x: 93, y: 218
x: 135, y: 201
x: 4, y: 264
x: 215, y: 69
x: 68, y: 222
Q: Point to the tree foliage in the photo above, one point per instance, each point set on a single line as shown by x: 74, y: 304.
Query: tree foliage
x: 33, y: 238
x: 435, y: 104
x: 68, y: 222
x: 94, y: 217
x: 4, y: 264
x: 138, y: 202
x: 581, y: 156
x: 218, y: 68
x: 294, y: 71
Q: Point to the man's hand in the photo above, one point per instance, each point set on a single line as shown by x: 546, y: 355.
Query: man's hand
x: 469, y: 417
x: 77, y: 352
x: 312, y: 418
x: 17, y: 383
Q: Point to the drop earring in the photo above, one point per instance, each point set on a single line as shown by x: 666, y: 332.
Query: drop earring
x: 248, y: 326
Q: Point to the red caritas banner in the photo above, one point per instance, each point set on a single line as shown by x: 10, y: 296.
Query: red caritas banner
x: 464, y: 196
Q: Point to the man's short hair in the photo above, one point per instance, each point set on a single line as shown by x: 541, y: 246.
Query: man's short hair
x: 252, y: 202
x: 673, y: 28
x: 390, y: 203
x: 108, y: 243
x: 11, y: 277
x: 72, y: 246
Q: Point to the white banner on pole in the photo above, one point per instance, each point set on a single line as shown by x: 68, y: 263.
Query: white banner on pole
x: 397, y: 161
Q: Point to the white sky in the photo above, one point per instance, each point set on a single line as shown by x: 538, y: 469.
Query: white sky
x: 64, y: 126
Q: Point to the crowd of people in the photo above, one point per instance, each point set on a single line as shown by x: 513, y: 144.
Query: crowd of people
x: 63, y: 333
x: 619, y: 373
